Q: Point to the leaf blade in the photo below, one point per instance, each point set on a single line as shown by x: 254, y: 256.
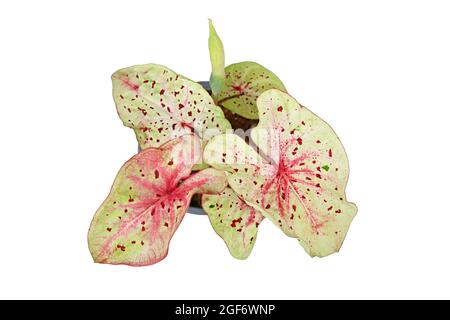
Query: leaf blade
x: 147, y: 202
x: 244, y: 82
x: 234, y: 221
x: 160, y: 105
x: 288, y: 184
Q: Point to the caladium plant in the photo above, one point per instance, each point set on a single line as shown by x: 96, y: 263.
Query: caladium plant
x: 292, y: 169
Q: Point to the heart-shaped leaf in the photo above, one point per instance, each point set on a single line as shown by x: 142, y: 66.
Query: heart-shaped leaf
x: 233, y: 220
x: 244, y: 82
x: 161, y: 105
x: 148, y: 201
x: 298, y: 177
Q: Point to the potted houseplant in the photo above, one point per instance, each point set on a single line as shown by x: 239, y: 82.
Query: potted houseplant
x: 245, y: 151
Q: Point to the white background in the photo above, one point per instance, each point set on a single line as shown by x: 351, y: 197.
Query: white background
x: 377, y: 71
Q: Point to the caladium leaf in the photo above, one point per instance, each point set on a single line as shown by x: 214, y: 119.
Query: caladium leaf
x: 298, y: 177
x: 148, y: 201
x: 237, y: 86
x: 160, y: 105
x: 233, y: 220
x: 244, y: 82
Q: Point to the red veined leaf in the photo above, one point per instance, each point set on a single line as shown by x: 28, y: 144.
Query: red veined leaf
x: 148, y: 201
x: 297, y: 178
x: 244, y: 82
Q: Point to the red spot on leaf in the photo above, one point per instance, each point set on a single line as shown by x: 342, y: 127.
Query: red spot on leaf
x: 144, y: 112
x: 237, y: 88
x: 235, y: 221
x: 280, y: 108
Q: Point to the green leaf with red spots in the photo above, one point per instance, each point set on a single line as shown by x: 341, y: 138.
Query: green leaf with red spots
x: 233, y: 220
x: 237, y: 86
x: 148, y: 201
x: 161, y: 105
x: 244, y: 82
x: 298, y: 177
